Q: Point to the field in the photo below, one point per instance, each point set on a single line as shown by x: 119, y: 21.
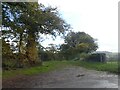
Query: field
x: 52, y: 65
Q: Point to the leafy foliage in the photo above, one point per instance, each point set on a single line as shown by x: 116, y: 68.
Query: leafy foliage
x: 76, y: 43
x: 24, y: 21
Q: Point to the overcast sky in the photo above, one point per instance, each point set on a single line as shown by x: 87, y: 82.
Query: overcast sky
x: 98, y: 18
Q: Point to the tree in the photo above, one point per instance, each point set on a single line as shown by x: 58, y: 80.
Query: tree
x: 7, y: 55
x: 78, y: 42
x: 6, y: 50
x: 48, y: 53
x: 65, y: 52
x: 26, y: 20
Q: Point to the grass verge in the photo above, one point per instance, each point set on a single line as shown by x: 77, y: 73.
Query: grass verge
x: 109, y: 66
x: 46, y: 67
x: 52, y: 65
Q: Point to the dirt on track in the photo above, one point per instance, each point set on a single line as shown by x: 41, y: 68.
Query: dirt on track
x: 69, y: 77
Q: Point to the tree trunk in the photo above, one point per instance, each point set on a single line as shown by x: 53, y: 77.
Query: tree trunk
x: 19, y: 63
x: 31, y: 52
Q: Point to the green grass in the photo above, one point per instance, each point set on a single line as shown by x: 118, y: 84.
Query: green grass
x: 109, y: 66
x: 46, y: 67
x: 52, y: 65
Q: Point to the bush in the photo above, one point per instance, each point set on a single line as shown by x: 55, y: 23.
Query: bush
x: 84, y: 56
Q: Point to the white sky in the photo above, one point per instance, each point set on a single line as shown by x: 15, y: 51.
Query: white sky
x: 98, y: 18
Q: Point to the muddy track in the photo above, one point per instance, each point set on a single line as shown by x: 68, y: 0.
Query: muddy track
x: 69, y: 77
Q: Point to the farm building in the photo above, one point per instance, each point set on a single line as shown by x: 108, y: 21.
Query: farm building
x: 97, y: 57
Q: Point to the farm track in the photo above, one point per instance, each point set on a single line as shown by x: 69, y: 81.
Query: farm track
x: 69, y: 77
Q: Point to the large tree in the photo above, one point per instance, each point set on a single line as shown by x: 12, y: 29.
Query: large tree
x: 27, y: 20
x: 78, y: 42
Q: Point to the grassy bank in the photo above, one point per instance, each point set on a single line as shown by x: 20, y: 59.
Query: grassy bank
x: 46, y: 67
x: 52, y: 65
